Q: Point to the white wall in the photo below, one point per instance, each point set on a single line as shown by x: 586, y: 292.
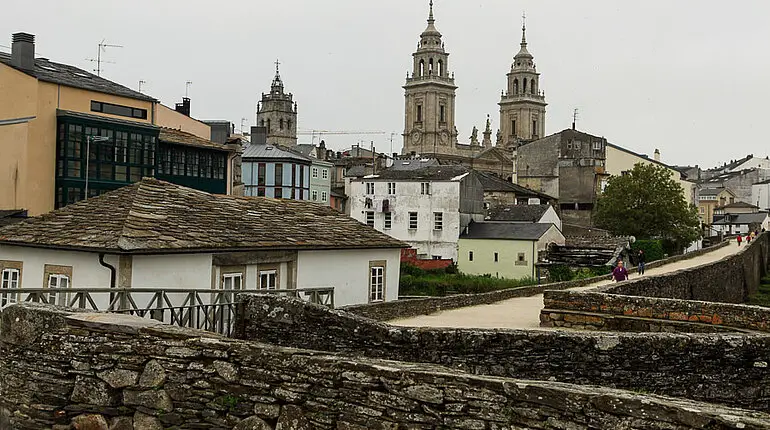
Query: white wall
x: 551, y: 217
x: 753, y: 163
x: 181, y: 271
x: 444, y: 198
x: 86, y: 270
x: 348, y: 272
x: 760, y: 196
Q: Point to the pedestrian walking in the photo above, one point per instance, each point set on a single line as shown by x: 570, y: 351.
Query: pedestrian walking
x: 748, y: 239
x: 640, y: 261
x: 620, y: 273
x: 740, y: 239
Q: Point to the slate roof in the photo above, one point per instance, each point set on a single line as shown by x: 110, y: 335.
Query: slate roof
x: 710, y: 191
x: 260, y: 151
x: 304, y: 149
x: 71, y: 76
x: 505, y: 230
x: 154, y: 216
x: 432, y: 173
x: 8, y: 217
x: 179, y: 137
x: 738, y: 205
x: 491, y: 182
x: 519, y: 213
x: 741, y: 219
x: 414, y: 163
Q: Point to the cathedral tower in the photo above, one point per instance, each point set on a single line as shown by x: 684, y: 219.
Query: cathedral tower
x: 429, y: 125
x: 277, y: 112
x: 522, y: 107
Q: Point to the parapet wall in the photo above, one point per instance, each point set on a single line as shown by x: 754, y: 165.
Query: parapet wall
x: 731, y: 369
x: 59, y: 368
x: 389, y: 311
x: 698, y: 299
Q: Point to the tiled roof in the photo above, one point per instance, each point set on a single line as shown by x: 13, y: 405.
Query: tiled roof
x: 492, y: 182
x: 738, y: 205
x: 154, y: 216
x: 8, y: 217
x: 520, y: 213
x: 505, y: 230
x: 305, y: 149
x: 742, y: 219
x: 71, y: 76
x: 414, y: 163
x: 179, y: 137
x: 710, y: 191
x: 430, y: 173
x: 260, y: 151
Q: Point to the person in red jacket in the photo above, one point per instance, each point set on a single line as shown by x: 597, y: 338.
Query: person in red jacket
x: 740, y: 239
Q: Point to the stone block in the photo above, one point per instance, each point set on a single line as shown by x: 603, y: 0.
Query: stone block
x: 146, y: 422
x: 292, y: 418
x: 227, y: 371
x: 122, y: 423
x: 89, y: 422
x: 155, y: 400
x: 119, y: 378
x: 92, y: 391
x: 153, y: 375
x: 252, y: 423
x: 265, y: 410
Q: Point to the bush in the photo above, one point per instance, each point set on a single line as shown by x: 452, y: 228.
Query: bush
x: 434, y: 284
x: 653, y: 250
x: 560, y: 273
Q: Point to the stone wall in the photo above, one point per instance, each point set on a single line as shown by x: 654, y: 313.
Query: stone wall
x: 89, y: 371
x: 719, y: 368
x: 700, y: 299
x: 388, y: 311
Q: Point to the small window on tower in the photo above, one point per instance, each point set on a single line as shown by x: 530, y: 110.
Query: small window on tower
x: 419, y: 113
x: 281, y: 123
x: 442, y: 113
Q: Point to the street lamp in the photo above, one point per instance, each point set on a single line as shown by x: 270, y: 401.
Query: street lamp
x: 89, y: 141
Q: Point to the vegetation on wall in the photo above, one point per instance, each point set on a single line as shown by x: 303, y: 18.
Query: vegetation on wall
x: 563, y: 273
x: 442, y: 282
x: 762, y: 297
x: 653, y: 250
x: 648, y: 203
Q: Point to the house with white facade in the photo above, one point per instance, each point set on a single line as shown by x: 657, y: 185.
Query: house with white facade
x: 426, y: 208
x: 155, y: 234
x: 740, y: 218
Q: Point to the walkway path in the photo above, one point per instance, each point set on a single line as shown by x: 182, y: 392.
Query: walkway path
x: 524, y: 312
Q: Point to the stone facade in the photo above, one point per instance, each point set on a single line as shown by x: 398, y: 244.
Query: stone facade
x: 78, y: 370
x: 277, y: 112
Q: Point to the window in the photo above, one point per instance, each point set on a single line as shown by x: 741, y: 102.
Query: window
x: 534, y: 128
x: 370, y: 188
x: 280, y: 122
x: 11, y: 279
x: 392, y: 188
x: 425, y: 188
x: 268, y: 279
x: 314, y: 194
x: 470, y: 255
x: 513, y: 128
x: 261, y: 172
x: 438, y: 221
x: 702, y: 210
x: 419, y: 113
x: 324, y: 196
x: 412, y: 220
x: 232, y: 281
x: 278, y: 194
x: 442, y: 113
x: 376, y: 281
x: 388, y: 221
x: 118, y: 110
x: 497, y: 257
x: 58, y: 281
x: 315, y: 172
x: 370, y: 219
x: 279, y: 174
x: 521, y: 259
x: 597, y: 146
x: 325, y: 174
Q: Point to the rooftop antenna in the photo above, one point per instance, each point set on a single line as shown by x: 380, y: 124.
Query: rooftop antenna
x: 140, y: 85
x: 574, y: 118
x: 187, y: 89
x: 102, y: 47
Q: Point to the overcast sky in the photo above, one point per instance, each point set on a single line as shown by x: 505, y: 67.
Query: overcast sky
x: 686, y: 76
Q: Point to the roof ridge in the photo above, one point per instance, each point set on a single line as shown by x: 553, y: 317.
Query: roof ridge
x: 133, y: 191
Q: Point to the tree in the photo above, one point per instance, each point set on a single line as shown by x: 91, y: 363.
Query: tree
x: 648, y: 203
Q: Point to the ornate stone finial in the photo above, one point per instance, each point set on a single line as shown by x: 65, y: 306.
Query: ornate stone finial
x: 430, y: 16
x: 489, y: 125
x: 524, y: 28
x: 475, y: 136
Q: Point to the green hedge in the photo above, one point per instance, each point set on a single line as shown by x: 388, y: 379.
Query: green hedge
x: 653, y: 250
x: 418, y: 282
x: 563, y: 273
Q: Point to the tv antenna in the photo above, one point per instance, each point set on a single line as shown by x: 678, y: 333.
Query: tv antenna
x: 140, y: 85
x: 574, y: 118
x: 102, y: 47
x: 187, y: 89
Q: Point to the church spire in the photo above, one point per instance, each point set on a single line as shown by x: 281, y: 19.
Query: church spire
x: 524, y: 29
x: 430, y: 16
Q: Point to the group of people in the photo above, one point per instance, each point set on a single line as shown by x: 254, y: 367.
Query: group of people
x: 749, y: 237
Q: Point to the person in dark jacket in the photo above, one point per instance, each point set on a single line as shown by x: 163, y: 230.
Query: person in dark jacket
x: 620, y: 273
x: 641, y: 259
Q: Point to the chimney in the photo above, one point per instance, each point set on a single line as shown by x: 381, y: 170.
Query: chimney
x: 657, y: 155
x: 258, y: 135
x: 23, y: 51
x: 184, y: 107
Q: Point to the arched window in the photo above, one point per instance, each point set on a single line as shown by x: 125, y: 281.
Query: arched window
x: 268, y: 125
x: 288, y: 124
x: 422, y: 68
x: 262, y: 123
x: 533, y: 87
x: 430, y: 66
x: 524, y: 88
x: 515, y: 86
x: 281, y: 123
x: 441, y: 67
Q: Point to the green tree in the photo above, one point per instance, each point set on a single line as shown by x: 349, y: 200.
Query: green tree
x: 648, y: 203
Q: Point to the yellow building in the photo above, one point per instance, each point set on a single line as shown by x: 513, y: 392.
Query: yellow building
x: 66, y: 134
x: 711, y: 198
x: 504, y: 249
x: 621, y: 160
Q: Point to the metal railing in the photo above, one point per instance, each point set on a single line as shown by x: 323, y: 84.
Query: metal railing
x: 210, y: 310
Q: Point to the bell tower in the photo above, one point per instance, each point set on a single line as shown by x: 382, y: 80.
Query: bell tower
x: 522, y: 105
x: 429, y: 123
x: 277, y: 112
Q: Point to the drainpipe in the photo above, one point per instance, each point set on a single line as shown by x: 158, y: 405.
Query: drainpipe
x: 113, y: 271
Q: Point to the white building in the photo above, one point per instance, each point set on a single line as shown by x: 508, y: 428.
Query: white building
x: 426, y: 208
x: 154, y: 234
x: 760, y: 195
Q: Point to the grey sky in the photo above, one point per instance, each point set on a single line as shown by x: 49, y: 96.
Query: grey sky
x: 685, y: 76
